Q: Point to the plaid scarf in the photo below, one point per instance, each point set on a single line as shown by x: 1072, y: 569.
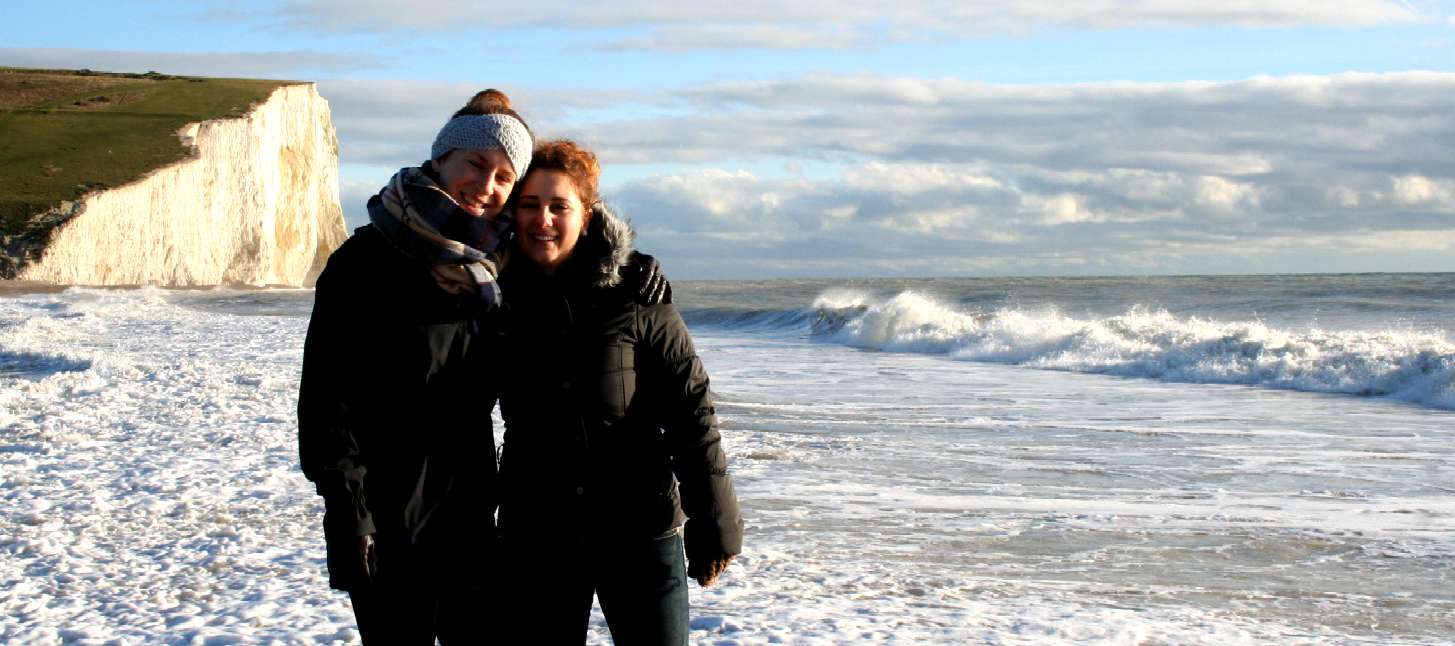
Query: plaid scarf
x: 411, y: 210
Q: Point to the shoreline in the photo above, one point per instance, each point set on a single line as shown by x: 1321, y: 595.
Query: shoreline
x: 28, y: 287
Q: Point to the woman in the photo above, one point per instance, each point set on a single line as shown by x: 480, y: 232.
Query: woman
x: 394, y: 405
x: 610, y: 429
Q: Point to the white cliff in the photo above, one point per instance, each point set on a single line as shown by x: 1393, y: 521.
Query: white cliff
x: 256, y: 204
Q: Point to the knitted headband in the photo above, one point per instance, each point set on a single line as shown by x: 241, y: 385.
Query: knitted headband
x: 486, y: 132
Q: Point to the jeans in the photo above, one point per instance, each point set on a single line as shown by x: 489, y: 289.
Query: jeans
x: 420, y: 594
x: 401, y: 615
x: 641, y: 584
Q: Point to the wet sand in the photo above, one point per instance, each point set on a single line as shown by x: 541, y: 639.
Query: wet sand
x: 23, y: 287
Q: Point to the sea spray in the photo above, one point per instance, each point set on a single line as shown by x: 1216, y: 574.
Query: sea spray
x: 1150, y: 343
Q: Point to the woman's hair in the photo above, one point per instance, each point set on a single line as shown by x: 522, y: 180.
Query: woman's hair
x: 576, y: 162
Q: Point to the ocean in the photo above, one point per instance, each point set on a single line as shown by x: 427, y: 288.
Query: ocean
x: 1159, y: 460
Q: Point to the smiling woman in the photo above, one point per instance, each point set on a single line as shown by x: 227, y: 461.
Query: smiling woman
x: 479, y: 180
x: 480, y: 153
x: 551, y: 208
x: 613, y: 463
x: 390, y: 428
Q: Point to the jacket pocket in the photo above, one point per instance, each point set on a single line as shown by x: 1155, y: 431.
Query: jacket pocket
x: 617, y: 381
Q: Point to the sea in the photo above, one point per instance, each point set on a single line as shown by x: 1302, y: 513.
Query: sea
x: 1132, y: 460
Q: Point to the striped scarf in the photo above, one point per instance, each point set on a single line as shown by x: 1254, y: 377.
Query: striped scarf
x: 411, y: 210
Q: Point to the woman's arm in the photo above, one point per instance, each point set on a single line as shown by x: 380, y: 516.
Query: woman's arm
x: 714, y: 532
x: 327, y: 446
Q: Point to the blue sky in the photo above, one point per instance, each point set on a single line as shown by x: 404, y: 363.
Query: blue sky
x: 821, y: 138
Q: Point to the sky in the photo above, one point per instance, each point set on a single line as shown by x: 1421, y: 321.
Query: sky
x: 820, y: 139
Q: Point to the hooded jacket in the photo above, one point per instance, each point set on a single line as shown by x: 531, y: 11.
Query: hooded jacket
x: 394, y: 415
x: 610, y: 429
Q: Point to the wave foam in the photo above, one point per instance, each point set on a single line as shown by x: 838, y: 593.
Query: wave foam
x: 1410, y: 366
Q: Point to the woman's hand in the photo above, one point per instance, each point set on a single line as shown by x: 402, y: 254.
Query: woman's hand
x: 707, y: 571
x: 368, y: 557
x: 652, y: 285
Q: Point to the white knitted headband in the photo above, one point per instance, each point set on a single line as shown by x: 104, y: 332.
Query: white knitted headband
x: 486, y: 132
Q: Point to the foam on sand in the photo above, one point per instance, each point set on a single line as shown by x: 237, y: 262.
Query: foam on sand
x: 150, y: 492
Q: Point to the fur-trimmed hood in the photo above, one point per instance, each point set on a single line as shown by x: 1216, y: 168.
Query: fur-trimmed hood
x: 605, y: 248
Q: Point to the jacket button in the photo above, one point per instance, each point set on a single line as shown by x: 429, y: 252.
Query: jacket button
x: 565, y: 385
x: 580, y: 491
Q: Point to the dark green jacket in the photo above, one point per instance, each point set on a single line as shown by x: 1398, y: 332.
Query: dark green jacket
x: 611, y: 433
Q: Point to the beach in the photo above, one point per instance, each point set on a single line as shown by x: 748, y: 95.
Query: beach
x: 1184, y: 460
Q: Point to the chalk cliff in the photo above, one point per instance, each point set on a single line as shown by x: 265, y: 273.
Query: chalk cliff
x: 256, y: 204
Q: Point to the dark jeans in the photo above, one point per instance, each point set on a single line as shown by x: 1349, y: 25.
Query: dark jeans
x: 642, y: 586
x: 418, y: 612
x: 409, y: 603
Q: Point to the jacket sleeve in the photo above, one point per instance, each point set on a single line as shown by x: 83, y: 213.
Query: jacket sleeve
x: 327, y: 445
x: 689, y: 420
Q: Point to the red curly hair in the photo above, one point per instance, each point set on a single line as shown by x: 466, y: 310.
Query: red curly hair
x: 579, y: 164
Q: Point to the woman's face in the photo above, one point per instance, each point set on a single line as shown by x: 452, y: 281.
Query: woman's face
x: 479, y: 180
x: 550, y: 217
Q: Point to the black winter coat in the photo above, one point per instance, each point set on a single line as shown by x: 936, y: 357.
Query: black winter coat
x: 394, y: 415
x: 610, y: 431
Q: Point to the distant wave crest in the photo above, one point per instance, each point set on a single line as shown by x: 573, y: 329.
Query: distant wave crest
x: 1145, y: 343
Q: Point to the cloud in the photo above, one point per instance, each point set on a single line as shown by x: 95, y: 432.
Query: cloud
x: 391, y: 122
x: 1113, y: 177
x: 266, y: 64
x: 821, y: 24
x: 1246, y: 13
x: 917, y: 175
x: 1243, y: 129
x: 1414, y: 190
x: 924, y: 175
x: 735, y: 37
x: 913, y: 178
x: 354, y: 196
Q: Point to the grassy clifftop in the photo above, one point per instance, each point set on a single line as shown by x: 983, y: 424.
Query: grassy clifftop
x: 67, y: 132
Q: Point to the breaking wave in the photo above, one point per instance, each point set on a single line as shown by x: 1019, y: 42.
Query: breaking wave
x: 1418, y: 367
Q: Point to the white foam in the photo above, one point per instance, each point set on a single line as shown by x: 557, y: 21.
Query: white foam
x: 149, y: 493
x: 1409, y: 366
x: 842, y: 298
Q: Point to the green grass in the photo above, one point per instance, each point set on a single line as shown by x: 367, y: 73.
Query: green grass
x: 66, y: 132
